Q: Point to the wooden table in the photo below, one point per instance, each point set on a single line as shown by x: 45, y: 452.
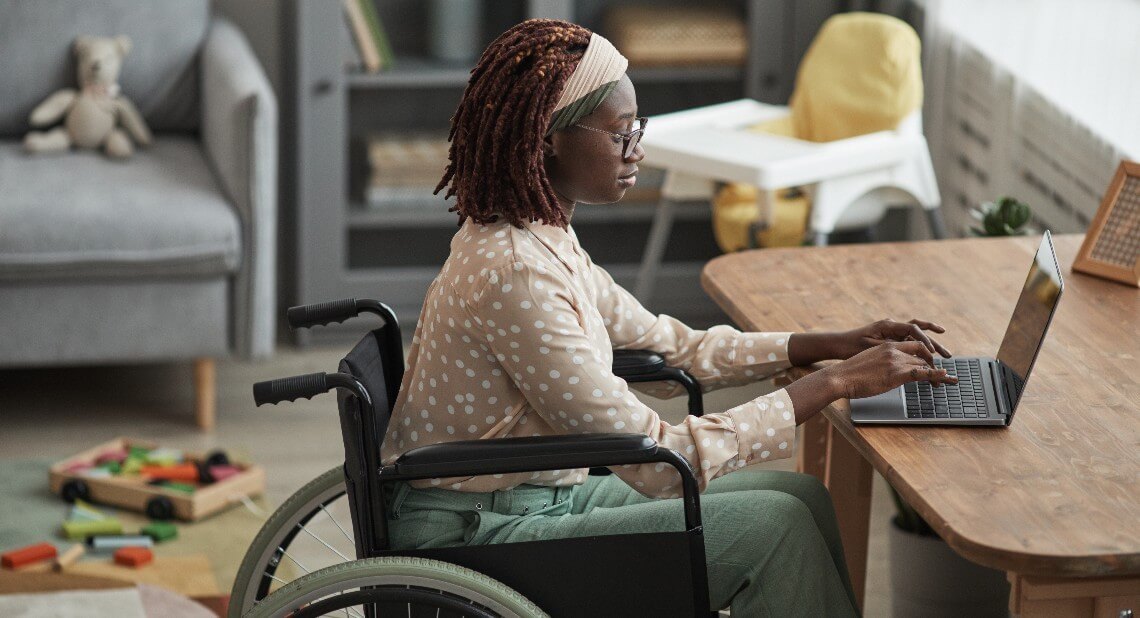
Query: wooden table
x: 1054, y: 499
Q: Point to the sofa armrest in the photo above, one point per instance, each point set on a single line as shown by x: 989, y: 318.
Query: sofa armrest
x: 239, y: 135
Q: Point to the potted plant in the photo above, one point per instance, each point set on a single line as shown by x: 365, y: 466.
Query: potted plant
x: 929, y: 579
x: 1006, y: 216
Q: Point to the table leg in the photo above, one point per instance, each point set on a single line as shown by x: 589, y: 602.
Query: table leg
x: 654, y: 250
x: 813, y: 447
x: 1046, y: 597
x: 849, y: 481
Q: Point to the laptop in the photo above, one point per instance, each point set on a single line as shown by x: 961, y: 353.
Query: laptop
x: 988, y: 389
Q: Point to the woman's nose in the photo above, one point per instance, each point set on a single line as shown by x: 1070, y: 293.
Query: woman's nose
x: 637, y: 155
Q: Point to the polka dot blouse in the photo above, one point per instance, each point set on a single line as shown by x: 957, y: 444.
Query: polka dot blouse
x: 516, y: 338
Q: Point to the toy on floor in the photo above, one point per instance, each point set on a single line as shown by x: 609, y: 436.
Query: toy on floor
x: 133, y: 556
x: 69, y: 557
x: 164, y: 483
x: 17, y: 558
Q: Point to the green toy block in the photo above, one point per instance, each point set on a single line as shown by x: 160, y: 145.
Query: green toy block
x: 113, y: 467
x: 79, y: 530
x: 132, y: 465
x: 182, y: 487
x: 160, y: 531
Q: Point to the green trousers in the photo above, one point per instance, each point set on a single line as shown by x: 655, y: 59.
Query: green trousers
x: 771, y: 539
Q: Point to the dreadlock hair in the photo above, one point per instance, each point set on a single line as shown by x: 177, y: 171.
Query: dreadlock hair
x: 496, y: 166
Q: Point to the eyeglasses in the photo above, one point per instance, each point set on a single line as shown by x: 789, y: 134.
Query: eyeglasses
x: 629, y: 140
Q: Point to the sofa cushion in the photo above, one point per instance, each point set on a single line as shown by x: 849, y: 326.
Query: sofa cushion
x: 160, y: 74
x: 82, y: 215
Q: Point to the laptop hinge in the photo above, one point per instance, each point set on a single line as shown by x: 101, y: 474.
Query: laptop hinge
x: 1001, y: 395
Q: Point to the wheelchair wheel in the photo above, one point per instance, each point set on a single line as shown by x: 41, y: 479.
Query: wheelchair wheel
x: 410, y: 586
x: 309, y: 531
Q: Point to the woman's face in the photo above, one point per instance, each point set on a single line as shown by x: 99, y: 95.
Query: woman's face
x: 587, y: 166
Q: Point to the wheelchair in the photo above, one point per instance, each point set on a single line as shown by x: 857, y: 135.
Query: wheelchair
x: 341, y: 515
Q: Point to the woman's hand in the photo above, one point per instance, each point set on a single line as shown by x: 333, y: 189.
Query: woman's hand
x: 852, y: 342
x: 888, y: 365
x: 870, y: 372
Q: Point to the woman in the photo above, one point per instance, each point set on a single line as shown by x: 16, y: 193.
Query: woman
x: 517, y: 334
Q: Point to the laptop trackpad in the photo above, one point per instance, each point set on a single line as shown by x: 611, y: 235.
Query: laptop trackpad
x: 885, y: 408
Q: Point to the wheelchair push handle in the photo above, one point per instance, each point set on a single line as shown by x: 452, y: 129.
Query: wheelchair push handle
x: 320, y: 314
x: 335, y: 311
x: 290, y: 389
x: 306, y: 386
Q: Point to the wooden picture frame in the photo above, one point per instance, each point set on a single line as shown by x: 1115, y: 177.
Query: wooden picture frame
x: 1112, y: 243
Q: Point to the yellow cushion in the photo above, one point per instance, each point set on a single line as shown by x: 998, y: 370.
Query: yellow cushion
x: 862, y: 74
x: 735, y: 208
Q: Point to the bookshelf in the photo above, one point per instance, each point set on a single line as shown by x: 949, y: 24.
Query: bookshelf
x: 342, y: 248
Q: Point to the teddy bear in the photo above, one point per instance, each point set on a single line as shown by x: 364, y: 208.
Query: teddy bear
x: 96, y: 115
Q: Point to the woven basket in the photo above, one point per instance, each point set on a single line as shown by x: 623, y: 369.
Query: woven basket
x: 677, y: 35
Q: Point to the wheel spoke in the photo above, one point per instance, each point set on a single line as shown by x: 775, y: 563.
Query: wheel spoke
x: 322, y: 542
x: 337, y: 523
x: 295, y: 561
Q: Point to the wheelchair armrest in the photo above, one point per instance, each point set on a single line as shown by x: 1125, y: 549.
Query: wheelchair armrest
x: 631, y: 363
x: 532, y: 453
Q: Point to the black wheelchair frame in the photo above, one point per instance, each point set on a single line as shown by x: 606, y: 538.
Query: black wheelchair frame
x: 668, y: 569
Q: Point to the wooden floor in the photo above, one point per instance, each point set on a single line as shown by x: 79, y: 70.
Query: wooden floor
x: 52, y: 413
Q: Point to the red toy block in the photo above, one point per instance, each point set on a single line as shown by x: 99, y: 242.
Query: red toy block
x: 27, y: 555
x: 187, y: 472
x: 116, y: 455
x: 133, y: 556
x: 221, y: 473
x: 78, y: 466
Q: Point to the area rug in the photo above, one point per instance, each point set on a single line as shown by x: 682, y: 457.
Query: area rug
x: 29, y: 513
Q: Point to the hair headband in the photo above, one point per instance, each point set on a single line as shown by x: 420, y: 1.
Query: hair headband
x: 593, y: 80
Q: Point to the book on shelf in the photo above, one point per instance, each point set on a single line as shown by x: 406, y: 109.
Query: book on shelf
x: 408, y: 159
x: 396, y: 197
x: 361, y: 35
x: 376, y: 29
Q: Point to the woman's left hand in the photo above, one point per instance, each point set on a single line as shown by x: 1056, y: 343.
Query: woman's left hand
x: 854, y: 341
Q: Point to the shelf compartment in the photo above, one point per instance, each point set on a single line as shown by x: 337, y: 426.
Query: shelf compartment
x: 696, y: 73
x: 413, y: 72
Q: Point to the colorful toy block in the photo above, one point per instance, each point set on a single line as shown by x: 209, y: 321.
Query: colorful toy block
x: 78, y: 466
x: 179, y: 472
x: 69, y: 557
x: 113, y: 542
x: 132, y: 465
x: 221, y: 473
x: 27, y: 555
x: 81, y: 511
x: 160, y: 531
x: 79, y: 530
x: 133, y: 557
x: 185, y: 488
x: 116, y: 455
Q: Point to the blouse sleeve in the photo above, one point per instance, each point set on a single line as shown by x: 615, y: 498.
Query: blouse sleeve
x: 540, y: 334
x: 717, y: 357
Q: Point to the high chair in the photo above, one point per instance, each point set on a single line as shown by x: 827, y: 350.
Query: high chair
x: 851, y: 140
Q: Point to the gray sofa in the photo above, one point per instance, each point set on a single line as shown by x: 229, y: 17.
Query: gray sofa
x: 169, y: 255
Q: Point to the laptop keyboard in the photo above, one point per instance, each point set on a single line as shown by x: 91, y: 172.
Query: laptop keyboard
x: 966, y: 399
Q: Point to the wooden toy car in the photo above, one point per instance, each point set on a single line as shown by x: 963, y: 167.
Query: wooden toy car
x: 88, y: 477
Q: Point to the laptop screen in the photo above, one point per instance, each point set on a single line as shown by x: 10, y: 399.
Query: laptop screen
x: 1031, y: 317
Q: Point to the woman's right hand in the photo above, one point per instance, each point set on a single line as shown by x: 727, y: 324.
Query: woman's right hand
x: 888, y: 365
